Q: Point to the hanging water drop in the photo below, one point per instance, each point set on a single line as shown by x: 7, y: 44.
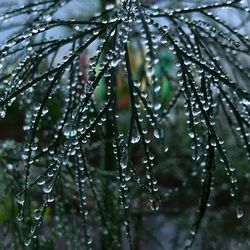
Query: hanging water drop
x: 27, y: 242
x: 246, y: 102
x: 20, y: 198
x: 239, y: 213
x: 114, y: 63
x: 37, y: 214
x: 47, y: 189
x: 157, y: 134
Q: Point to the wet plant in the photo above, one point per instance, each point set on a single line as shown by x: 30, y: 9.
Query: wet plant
x: 88, y: 161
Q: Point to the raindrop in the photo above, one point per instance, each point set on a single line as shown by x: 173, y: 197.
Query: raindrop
x: 27, y: 242
x: 114, y: 63
x: 166, y: 149
x: 246, y: 102
x: 50, y: 78
x: 136, y: 137
x: 47, y: 189
x: 157, y: 106
x: 37, y: 214
x: 124, y: 163
x: 68, y: 132
x: 88, y: 87
x: 157, y: 134
x: 232, y: 193
x: 191, y: 134
x: 20, y: 198
x: 150, y: 71
x: 20, y: 216
x: 239, y: 213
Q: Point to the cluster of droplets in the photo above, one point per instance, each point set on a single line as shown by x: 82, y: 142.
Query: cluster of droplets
x: 139, y: 134
x: 159, y: 11
x: 121, y: 155
x: 81, y: 180
x: 200, y: 104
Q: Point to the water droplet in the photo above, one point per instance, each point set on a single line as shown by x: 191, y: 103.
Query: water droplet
x: 246, y: 102
x: 191, y: 134
x: 239, y: 213
x: 20, y: 216
x: 232, y: 193
x: 156, y: 134
x: 20, y: 198
x: 50, y: 78
x: 33, y: 228
x: 47, y: 189
x: 166, y: 149
x: 114, y: 63
x: 157, y: 106
x: 135, y: 138
x: 88, y: 87
x: 37, y: 214
x: 150, y: 71
x: 27, y: 242
x: 68, y: 132
x: 124, y: 163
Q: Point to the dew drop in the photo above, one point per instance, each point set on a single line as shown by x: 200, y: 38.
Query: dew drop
x: 246, y: 102
x: 166, y: 149
x: 114, y: 63
x: 20, y: 216
x: 20, y: 198
x: 150, y: 72
x: 136, y: 137
x: 156, y: 133
x: 68, y: 132
x: 239, y: 213
x: 37, y: 214
x: 27, y: 242
x: 47, y: 189
x: 124, y: 164
x: 191, y: 134
x: 50, y: 78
